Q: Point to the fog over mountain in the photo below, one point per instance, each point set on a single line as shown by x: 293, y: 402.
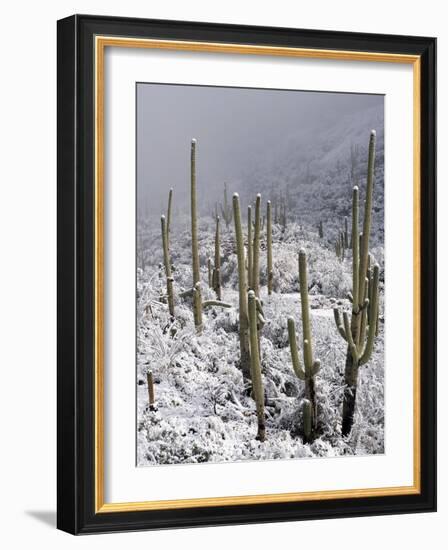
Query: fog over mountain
x: 253, y: 139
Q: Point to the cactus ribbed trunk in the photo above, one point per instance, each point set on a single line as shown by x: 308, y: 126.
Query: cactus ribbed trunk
x: 249, y: 247
x: 310, y: 391
x: 167, y: 263
x: 242, y: 290
x: 217, y: 271
x: 226, y: 209
x: 197, y: 307
x: 168, y: 216
x: 346, y: 241
x: 311, y: 367
x: 194, y: 222
x: 269, y: 246
x: 365, y: 294
x: 256, y: 248
x: 257, y: 382
x: 150, y: 383
x: 210, y: 273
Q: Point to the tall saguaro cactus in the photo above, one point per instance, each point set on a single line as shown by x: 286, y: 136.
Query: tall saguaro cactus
x: 168, y: 216
x: 226, y: 209
x: 269, y: 246
x: 167, y: 264
x: 321, y: 230
x: 250, y: 256
x: 217, y: 270
x: 197, y: 306
x: 256, y: 249
x: 257, y: 381
x: 346, y: 239
x: 364, y: 297
x: 311, y: 366
x: 242, y: 290
x: 194, y: 221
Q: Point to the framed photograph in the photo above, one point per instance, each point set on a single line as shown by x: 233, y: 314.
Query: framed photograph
x: 246, y: 274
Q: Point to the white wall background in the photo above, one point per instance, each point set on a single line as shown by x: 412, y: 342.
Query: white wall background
x: 28, y: 270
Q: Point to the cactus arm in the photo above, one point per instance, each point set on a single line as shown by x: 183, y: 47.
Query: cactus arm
x: 338, y: 321
x: 298, y: 369
x: 186, y: 293
x: 374, y: 313
x: 269, y: 246
x: 256, y: 249
x: 255, y: 366
x: 349, y: 335
x: 259, y: 307
x: 350, y: 297
x: 364, y: 318
x: 261, y: 320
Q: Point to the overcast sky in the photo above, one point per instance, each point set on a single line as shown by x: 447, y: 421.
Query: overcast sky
x: 233, y: 126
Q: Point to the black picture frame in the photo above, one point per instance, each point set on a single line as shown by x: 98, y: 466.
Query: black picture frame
x: 76, y: 254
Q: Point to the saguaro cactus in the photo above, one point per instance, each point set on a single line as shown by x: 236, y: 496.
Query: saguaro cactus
x: 197, y: 306
x: 257, y: 381
x: 346, y: 239
x: 311, y: 366
x: 269, y: 246
x: 256, y: 249
x: 217, y: 270
x: 249, y: 247
x: 283, y: 210
x: 307, y: 415
x: 167, y: 263
x: 321, y: 230
x: 194, y: 222
x: 168, y: 216
x: 242, y: 288
x: 210, y: 272
x: 342, y: 245
x: 364, y: 297
x: 226, y: 209
x: 150, y: 384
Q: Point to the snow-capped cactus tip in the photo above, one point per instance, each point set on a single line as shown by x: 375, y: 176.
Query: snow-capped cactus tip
x: 193, y: 141
x: 302, y: 251
x: 162, y: 217
x: 258, y: 195
x: 355, y: 188
x: 373, y: 132
x: 236, y: 196
x: 269, y: 202
x: 251, y: 294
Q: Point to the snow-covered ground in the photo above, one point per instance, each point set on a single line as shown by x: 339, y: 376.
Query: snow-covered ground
x: 203, y: 411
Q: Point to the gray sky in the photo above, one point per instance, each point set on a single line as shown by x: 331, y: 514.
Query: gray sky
x: 234, y: 127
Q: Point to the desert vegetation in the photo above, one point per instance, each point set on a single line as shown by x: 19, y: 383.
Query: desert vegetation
x: 262, y: 337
